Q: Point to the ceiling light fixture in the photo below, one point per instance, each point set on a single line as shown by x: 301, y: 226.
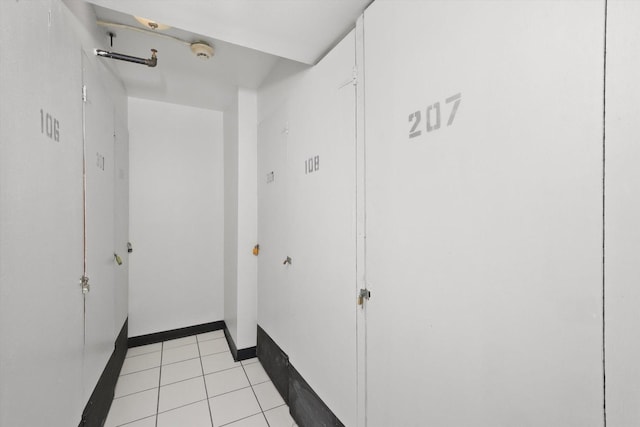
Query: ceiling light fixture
x: 156, y: 26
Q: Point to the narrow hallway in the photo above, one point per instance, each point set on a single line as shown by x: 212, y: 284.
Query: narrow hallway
x: 194, y: 381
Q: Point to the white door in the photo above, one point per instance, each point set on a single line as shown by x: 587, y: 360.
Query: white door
x: 307, y: 220
x: 484, y: 213
x: 99, y: 227
x: 273, y: 220
x: 121, y: 220
x: 40, y: 216
x: 322, y: 219
x: 622, y: 214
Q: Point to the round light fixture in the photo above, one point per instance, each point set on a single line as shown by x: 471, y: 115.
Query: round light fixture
x: 152, y: 24
x: 202, y: 50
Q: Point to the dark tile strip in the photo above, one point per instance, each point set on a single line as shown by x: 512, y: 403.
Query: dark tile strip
x: 275, y: 362
x: 305, y: 406
x: 175, y: 333
x: 241, y: 354
x: 97, y: 409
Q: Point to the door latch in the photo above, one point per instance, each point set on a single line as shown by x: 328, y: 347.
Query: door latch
x: 84, y: 282
x: 364, y: 294
x: 287, y: 261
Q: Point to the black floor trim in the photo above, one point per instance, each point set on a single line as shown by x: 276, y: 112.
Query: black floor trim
x: 241, y: 354
x: 275, y: 363
x: 175, y: 333
x: 305, y: 406
x: 97, y: 409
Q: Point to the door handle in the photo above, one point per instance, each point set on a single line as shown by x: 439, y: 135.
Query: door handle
x: 287, y: 261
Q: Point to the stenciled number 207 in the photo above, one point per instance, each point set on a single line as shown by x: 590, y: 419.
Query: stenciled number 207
x: 432, y: 116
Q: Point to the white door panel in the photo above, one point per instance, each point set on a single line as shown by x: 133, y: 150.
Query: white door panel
x: 40, y: 216
x: 273, y: 221
x: 622, y: 214
x: 121, y: 214
x: 100, y: 230
x: 484, y: 221
x: 307, y: 213
x: 321, y: 161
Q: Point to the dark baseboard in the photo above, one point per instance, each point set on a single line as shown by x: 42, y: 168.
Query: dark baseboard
x: 175, y: 333
x: 243, y: 353
x: 97, y: 409
x: 275, y: 363
x: 305, y: 406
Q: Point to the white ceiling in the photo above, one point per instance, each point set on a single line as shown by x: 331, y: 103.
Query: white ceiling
x: 249, y: 37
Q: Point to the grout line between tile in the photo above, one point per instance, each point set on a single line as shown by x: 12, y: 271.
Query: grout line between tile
x: 180, y: 361
x: 135, y: 392
x: 182, y: 406
x: 239, y: 419
x: 159, y: 382
x: 220, y: 352
x: 256, y: 396
x: 221, y: 370
x: 181, y: 381
x: 203, y: 375
x: 230, y: 391
x: 135, y: 421
x: 143, y: 354
x: 206, y: 392
x: 208, y: 339
x: 141, y: 370
x: 181, y: 345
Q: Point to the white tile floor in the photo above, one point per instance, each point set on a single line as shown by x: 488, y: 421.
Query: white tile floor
x: 194, y: 382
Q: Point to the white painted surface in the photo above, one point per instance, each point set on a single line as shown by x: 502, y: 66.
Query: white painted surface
x: 41, y: 237
x: 181, y: 77
x: 484, y: 238
x: 121, y: 215
x: 300, y: 30
x: 308, y: 307
x: 274, y: 299
x: 361, y: 279
x: 40, y: 219
x: 231, y: 219
x: 247, y: 218
x: 99, y: 124
x: 241, y: 223
x: 176, y: 216
x: 622, y: 215
x: 322, y: 232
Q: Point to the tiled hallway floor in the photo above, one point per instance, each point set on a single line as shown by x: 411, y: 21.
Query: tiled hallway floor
x: 194, y: 382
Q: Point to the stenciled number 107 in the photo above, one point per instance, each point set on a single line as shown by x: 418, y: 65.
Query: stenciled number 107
x: 432, y: 116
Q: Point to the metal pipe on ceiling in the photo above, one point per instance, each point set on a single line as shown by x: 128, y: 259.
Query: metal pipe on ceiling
x: 151, y: 62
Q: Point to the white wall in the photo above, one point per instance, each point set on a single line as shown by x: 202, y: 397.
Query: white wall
x: 176, y: 216
x: 309, y: 307
x: 484, y: 236
x: 247, y: 218
x: 622, y: 215
x: 41, y: 216
x: 231, y: 219
x: 241, y: 234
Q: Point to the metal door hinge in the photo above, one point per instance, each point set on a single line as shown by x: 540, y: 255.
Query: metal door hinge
x: 84, y: 93
x: 84, y: 282
x: 364, y: 294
